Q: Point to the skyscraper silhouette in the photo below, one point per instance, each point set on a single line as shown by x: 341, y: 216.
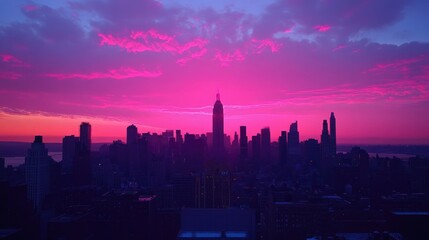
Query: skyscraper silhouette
x: 235, y: 141
x: 325, y: 152
x: 70, y: 150
x: 85, y: 136
x: 37, y: 172
x: 324, y: 143
x: 243, y: 143
x: 179, y: 137
x: 82, y: 162
x: 333, y: 135
x: 266, y: 144
x: 311, y: 152
x: 256, y: 147
x: 218, y: 132
x: 283, y: 147
x: 293, y: 143
x: 132, y: 134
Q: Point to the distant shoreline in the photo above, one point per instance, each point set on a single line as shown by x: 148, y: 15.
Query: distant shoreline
x: 19, y: 160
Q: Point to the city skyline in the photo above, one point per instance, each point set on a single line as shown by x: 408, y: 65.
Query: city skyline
x: 158, y: 64
x: 227, y: 119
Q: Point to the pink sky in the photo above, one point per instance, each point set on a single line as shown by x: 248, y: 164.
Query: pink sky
x: 159, y: 65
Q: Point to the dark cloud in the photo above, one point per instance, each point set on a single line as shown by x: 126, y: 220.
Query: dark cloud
x: 342, y: 17
x: 53, y: 25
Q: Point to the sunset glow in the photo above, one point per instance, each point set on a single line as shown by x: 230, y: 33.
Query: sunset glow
x: 159, y: 65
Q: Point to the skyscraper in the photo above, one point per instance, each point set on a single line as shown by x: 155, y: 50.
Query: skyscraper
x: 70, y: 150
x: 132, y: 134
x: 333, y: 131
x: 179, y: 137
x: 37, y: 172
x: 235, y: 146
x: 256, y: 147
x: 324, y: 144
x: 243, y: 143
x: 235, y: 141
x: 82, y: 162
x: 85, y: 136
x: 293, y: 143
x: 311, y: 152
x: 266, y: 144
x: 218, y: 132
x: 283, y: 147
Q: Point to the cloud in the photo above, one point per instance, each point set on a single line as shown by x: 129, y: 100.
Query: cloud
x: 266, y: 43
x: 195, y: 55
x: 142, y: 41
x: 30, y: 8
x: 9, y: 58
x: 341, y: 18
x: 12, y: 61
x: 402, y: 66
x: 404, y: 91
x: 226, y: 58
x: 121, y: 73
x: 322, y: 28
x: 53, y: 25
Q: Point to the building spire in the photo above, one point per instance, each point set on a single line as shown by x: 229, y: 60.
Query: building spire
x: 218, y: 96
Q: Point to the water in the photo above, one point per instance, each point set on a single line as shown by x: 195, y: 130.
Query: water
x: 16, y: 161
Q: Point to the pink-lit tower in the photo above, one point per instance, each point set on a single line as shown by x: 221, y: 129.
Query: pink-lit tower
x: 218, y: 131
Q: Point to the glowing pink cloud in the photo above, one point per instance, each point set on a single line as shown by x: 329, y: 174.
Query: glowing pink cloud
x: 226, y: 58
x: 121, y: 73
x: 266, y: 43
x: 289, y: 30
x: 403, y: 91
x: 322, y: 28
x: 152, y: 34
x: 12, y: 60
x: 195, y: 55
x: 400, y: 65
x: 141, y: 41
x: 9, y: 58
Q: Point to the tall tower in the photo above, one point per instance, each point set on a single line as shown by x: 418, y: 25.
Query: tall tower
x: 324, y: 143
x: 82, y: 162
x: 283, y: 147
x: 293, y: 143
x: 70, y: 150
x: 256, y: 147
x: 243, y: 142
x: 333, y: 129
x: 132, y: 134
x: 325, y: 154
x: 179, y: 138
x: 37, y: 171
x: 85, y: 136
x: 266, y: 144
x: 218, y: 132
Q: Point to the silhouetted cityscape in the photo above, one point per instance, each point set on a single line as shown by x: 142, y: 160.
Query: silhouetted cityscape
x: 213, y: 186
